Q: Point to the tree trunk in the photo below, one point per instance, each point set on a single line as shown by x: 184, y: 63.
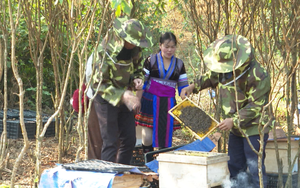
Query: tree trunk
x: 21, y: 92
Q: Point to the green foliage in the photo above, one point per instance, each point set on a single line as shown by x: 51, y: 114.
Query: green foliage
x: 121, y: 6
x: 174, y: 1
x: 34, y: 89
x: 4, y: 186
x: 31, y: 95
x: 151, y: 13
x: 36, y: 180
x: 60, y: 2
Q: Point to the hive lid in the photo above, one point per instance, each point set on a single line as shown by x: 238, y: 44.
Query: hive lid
x: 194, y: 118
x: 192, y: 157
x: 103, y: 166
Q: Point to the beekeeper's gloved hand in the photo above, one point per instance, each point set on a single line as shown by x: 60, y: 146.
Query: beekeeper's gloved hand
x: 131, y: 101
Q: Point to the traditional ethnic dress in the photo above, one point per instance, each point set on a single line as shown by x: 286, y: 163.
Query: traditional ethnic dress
x: 159, y: 97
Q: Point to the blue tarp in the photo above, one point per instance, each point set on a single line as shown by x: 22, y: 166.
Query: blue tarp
x: 59, y: 177
x: 205, y: 145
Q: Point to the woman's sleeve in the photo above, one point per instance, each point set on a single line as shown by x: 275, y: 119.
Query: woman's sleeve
x: 183, y: 79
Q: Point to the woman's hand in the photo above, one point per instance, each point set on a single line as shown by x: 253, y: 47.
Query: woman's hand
x: 138, y: 83
x: 185, y: 92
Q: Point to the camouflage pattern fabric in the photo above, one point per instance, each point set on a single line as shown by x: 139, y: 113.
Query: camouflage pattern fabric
x: 139, y: 34
x: 117, y: 75
x: 253, y: 89
x: 227, y: 53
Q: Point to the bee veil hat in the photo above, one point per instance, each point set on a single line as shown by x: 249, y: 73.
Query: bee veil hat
x: 133, y: 31
x: 227, y: 53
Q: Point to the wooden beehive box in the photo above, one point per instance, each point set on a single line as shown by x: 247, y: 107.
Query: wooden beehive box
x: 128, y: 181
x: 194, y: 118
x: 271, y: 161
x: 192, y: 169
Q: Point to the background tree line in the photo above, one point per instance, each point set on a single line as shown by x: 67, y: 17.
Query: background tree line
x: 44, y: 45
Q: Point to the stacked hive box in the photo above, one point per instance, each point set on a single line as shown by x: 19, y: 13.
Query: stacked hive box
x: 271, y: 161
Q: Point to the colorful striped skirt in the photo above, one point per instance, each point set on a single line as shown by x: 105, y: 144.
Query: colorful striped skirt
x: 154, y: 114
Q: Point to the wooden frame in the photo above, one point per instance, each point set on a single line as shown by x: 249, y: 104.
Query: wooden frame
x: 176, y: 112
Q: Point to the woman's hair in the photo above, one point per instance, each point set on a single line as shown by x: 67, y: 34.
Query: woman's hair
x: 168, y: 36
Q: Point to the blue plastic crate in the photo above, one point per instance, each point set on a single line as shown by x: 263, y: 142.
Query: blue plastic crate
x: 14, y: 129
x: 11, y: 114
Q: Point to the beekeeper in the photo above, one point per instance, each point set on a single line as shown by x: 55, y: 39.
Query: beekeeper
x: 244, y: 87
x: 118, y: 69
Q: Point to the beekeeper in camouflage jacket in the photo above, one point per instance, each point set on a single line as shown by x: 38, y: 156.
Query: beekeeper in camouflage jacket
x: 119, y: 74
x: 252, y: 86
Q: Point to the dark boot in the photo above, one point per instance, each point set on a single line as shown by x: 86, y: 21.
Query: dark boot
x: 147, y: 149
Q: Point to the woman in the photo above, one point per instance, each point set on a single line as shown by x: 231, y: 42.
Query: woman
x: 163, y: 73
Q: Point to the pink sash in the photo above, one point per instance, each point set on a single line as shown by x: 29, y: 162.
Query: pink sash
x: 161, y: 88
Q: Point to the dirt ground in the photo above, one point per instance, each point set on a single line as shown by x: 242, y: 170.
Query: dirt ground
x: 26, y: 169
x: 25, y: 172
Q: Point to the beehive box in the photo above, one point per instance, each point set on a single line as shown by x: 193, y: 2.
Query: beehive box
x: 194, y: 118
x: 271, y: 161
x: 192, y: 169
x: 128, y: 181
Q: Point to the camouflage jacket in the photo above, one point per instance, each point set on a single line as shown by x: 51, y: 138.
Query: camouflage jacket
x: 115, y: 76
x: 253, y: 87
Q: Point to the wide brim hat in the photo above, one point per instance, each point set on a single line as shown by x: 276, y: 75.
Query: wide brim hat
x: 227, y: 53
x: 133, y: 31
